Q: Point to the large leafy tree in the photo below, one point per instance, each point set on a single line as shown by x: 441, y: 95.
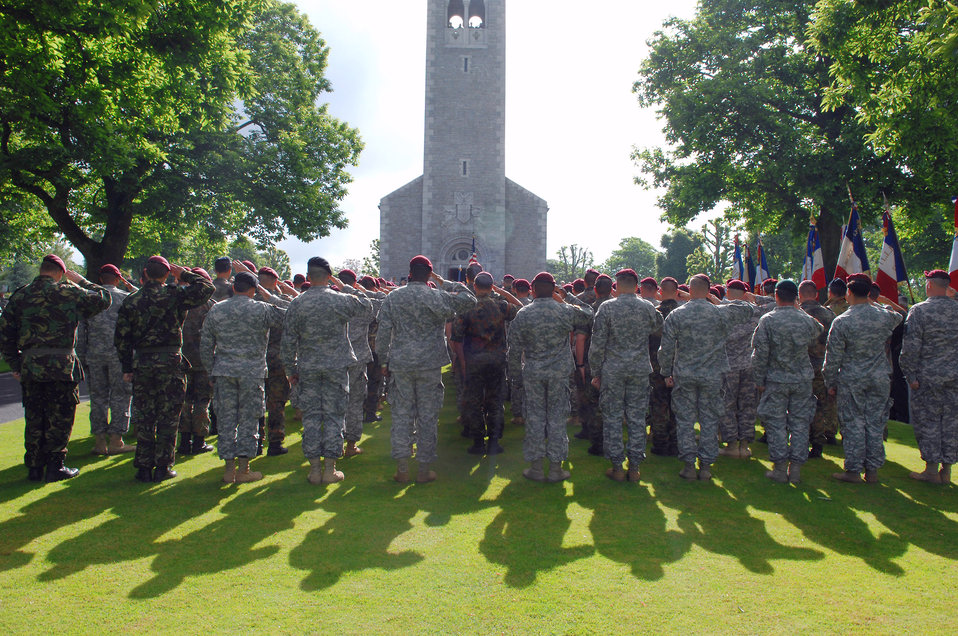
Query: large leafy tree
x: 149, y: 118
x: 632, y: 253
x: 676, y: 245
x: 742, y: 99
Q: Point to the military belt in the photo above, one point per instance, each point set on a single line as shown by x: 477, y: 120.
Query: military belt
x: 159, y: 350
x: 47, y: 351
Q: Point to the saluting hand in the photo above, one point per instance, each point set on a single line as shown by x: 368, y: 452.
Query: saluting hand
x: 670, y: 382
x: 597, y: 384
x: 176, y: 270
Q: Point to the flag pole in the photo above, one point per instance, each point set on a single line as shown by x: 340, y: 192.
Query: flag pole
x: 911, y: 293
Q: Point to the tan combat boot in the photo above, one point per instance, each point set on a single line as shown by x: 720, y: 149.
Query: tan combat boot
x: 848, y: 476
x: 352, y: 450
x: 634, y: 475
x: 616, y: 473
x: 779, y: 473
x: 930, y: 474
x: 795, y: 473
x: 243, y: 474
x: 402, y: 472
x: 425, y: 475
x: 731, y: 450
x: 118, y: 447
x: 330, y: 474
x: 315, y: 475
x: 688, y: 472
x: 229, y: 475
x: 945, y: 474
x: 743, y: 450
x: 705, y: 471
x: 534, y: 471
x: 871, y: 476
x: 100, y: 447
x: 557, y: 473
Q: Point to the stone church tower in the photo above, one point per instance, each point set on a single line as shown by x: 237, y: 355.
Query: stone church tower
x: 463, y: 193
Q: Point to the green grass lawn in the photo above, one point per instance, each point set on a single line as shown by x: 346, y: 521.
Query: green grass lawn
x: 480, y: 550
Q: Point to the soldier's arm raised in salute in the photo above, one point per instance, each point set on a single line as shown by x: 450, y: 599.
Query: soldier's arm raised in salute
x: 197, y: 290
x: 458, y: 297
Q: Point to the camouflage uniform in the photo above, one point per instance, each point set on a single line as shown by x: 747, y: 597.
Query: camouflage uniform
x: 589, y: 409
x: 482, y: 332
x: 857, y: 365
x: 358, y: 331
x: 540, y: 332
x: 150, y: 324
x: 837, y: 305
x: 223, y: 291
x: 929, y: 356
x: 660, y: 418
x: 738, y: 384
x: 780, y: 364
x: 108, y: 391
x: 693, y: 353
x: 825, y: 421
x: 233, y: 348
x: 374, y: 373
x: 411, y: 342
x: 277, y: 384
x: 619, y: 356
x: 195, y: 417
x: 37, y: 338
x: 316, y: 349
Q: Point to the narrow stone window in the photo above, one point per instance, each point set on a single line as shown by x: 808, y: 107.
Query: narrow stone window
x: 477, y: 14
x: 465, y: 64
x: 465, y: 167
x: 456, y: 14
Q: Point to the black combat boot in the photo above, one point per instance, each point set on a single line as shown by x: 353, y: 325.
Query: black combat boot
x: 56, y: 471
x: 35, y: 473
x: 816, y: 451
x: 276, y: 448
x: 478, y: 447
x: 494, y: 447
x: 186, y: 444
x: 199, y: 445
x: 262, y: 434
x: 144, y: 474
x: 162, y: 473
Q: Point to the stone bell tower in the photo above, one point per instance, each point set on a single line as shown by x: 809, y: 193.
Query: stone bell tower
x: 463, y: 194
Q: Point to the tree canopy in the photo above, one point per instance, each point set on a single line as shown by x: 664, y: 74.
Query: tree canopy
x: 632, y: 253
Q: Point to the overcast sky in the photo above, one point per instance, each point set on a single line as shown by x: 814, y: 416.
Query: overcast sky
x: 571, y: 117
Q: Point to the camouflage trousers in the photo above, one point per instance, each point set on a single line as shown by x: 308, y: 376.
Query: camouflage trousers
x: 590, y: 412
x: 108, y: 392
x: 354, y: 405
x: 660, y: 417
x: 787, y: 409
x: 935, y: 420
x: 323, y: 397
x: 277, y: 394
x: 195, y: 417
x: 741, y: 401
x: 863, y: 412
x: 374, y: 389
x: 825, y: 420
x: 482, y: 412
x: 697, y: 400
x: 547, y: 411
x: 239, y: 403
x: 415, y: 397
x: 517, y: 397
x: 48, y: 412
x: 158, y: 394
x: 624, y: 397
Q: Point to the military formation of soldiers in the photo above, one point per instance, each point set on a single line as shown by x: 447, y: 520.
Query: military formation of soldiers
x: 627, y: 356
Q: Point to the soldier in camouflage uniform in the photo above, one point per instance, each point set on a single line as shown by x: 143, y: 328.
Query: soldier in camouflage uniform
x: 837, y: 292
x: 783, y: 375
x: 928, y: 359
x: 619, y: 356
x: 148, y: 340
x: 825, y: 422
x: 692, y: 358
x: 858, y: 371
x: 233, y: 348
x: 481, y: 332
x: 540, y: 333
x: 316, y: 353
x: 358, y: 331
x: 277, y: 384
x: 412, y: 349
x: 588, y: 295
x: 108, y: 391
x: 661, y: 418
x: 223, y: 268
x: 374, y: 372
x: 37, y: 339
x: 738, y: 384
x: 590, y: 413
x: 522, y: 290
x: 195, y: 417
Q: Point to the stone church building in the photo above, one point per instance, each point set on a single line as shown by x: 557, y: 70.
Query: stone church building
x: 463, y: 193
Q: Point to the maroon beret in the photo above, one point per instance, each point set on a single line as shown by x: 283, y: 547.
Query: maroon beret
x: 580, y: 281
x: 269, y: 271
x: 111, y: 270
x: 569, y: 287
x: 544, y: 277
x: 299, y: 278
x: 53, y: 259
x: 705, y: 279
x: 669, y: 279
x: 508, y: 277
x: 202, y: 272
x: 161, y: 261
x: 860, y: 278
x: 288, y: 282
x: 938, y: 273
x: 420, y: 260
x: 737, y: 284
x: 367, y: 282
x: 252, y: 267
x: 484, y: 279
x: 683, y: 287
x: 648, y: 281
x: 305, y: 286
x: 603, y: 277
x: 773, y: 281
x: 521, y: 284
x: 594, y: 272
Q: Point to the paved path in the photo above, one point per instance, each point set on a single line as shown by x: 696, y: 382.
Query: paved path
x: 11, y: 407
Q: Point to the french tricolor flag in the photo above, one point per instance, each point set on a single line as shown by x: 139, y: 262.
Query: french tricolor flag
x: 953, y: 264
x: 738, y: 267
x: 852, y: 258
x: 891, y: 265
x: 761, y: 265
x: 814, y: 266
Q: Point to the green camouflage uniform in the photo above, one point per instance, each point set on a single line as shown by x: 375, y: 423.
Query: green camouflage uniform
x: 825, y: 421
x: 148, y: 340
x: 738, y: 384
x: 110, y: 396
x: 277, y: 384
x: 195, y: 417
x: 37, y: 339
x: 358, y: 331
x: 660, y: 418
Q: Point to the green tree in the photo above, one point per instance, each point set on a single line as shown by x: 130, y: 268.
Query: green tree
x: 632, y: 253
x: 370, y: 265
x: 742, y: 95
x: 713, y: 256
x: 676, y: 245
x: 160, y: 118
x: 572, y: 263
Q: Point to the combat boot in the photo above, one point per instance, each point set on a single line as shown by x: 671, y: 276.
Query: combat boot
x: 229, y: 475
x: 162, y: 473
x: 688, y: 472
x: 871, y: 476
x: 100, y: 447
x: 816, y: 451
x: 243, y: 474
x: 945, y: 474
x: 144, y: 474
x: 56, y: 471
x: 930, y: 474
x: 351, y: 450
x: 634, y: 475
x: 315, y: 475
x: 118, y: 447
x: 616, y: 473
x: 330, y: 474
x: 534, y: 471
x: 402, y: 472
x: 795, y: 473
x: 200, y: 446
x: 705, y: 471
x: 276, y: 448
x: 731, y: 450
x: 478, y: 447
x: 494, y: 447
x: 743, y: 450
x: 849, y: 476
x: 779, y: 473
x: 425, y: 475
x: 186, y: 444
x: 35, y: 473
x: 557, y: 473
